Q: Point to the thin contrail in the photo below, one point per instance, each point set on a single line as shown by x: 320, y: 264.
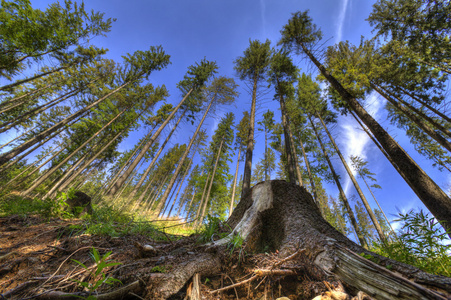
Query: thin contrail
x: 341, y: 20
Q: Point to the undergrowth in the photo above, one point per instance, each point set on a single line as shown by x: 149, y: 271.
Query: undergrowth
x: 421, y: 242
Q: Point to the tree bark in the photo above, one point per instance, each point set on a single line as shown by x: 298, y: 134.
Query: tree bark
x: 181, y: 183
x: 207, y: 196
x: 307, y: 165
x: 234, y: 182
x: 65, y: 160
x: 146, y: 147
x: 354, y: 181
x: 429, y: 131
x: 154, y: 160
x: 288, y: 146
x: 18, y: 137
x: 11, y: 154
x: 432, y: 196
x: 340, y: 189
x: 295, y: 158
x: 250, y: 142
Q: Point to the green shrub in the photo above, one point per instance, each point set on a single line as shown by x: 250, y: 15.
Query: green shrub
x: 421, y: 243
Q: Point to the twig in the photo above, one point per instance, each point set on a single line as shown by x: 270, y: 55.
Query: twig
x: 290, y: 257
x: 236, y: 293
x: 235, y: 285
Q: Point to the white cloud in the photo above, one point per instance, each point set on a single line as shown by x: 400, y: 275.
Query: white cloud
x: 341, y: 20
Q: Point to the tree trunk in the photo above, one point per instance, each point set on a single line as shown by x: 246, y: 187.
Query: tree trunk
x: 65, y: 160
x: 250, y: 143
x: 445, y: 117
x: 429, y: 131
x: 234, y: 183
x: 288, y: 146
x: 207, y: 196
x: 88, y: 163
x: 201, y: 202
x: 276, y: 215
x: 295, y: 158
x: 8, y: 125
x: 184, y: 156
x: 146, y: 147
x: 181, y: 183
x: 9, y: 86
x: 432, y: 196
x: 11, y: 154
x: 154, y: 160
x: 16, y: 99
x: 340, y: 189
x: 354, y: 181
x: 307, y: 165
x: 18, y: 137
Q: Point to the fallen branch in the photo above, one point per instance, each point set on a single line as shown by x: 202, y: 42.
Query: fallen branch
x: 292, y: 256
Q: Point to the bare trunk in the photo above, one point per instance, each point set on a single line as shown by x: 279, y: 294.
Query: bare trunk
x: 181, y: 183
x: 234, y: 183
x: 201, y: 202
x: 16, y: 99
x: 18, y: 137
x: 11, y: 154
x: 356, y: 185
x: 250, y: 143
x: 295, y: 158
x: 429, y: 131
x: 438, y: 203
x: 445, y: 117
x: 207, y: 196
x: 184, y: 156
x: 89, y: 162
x: 146, y: 147
x: 154, y: 160
x: 310, y: 176
x: 340, y: 189
x: 9, y: 86
x: 65, y: 160
x: 288, y: 146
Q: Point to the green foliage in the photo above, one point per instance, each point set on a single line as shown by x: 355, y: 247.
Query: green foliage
x: 255, y: 61
x: 97, y: 275
x: 213, y: 227
x: 421, y: 243
x: 159, y: 269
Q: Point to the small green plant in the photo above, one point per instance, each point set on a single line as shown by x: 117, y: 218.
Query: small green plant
x: 98, y: 275
x: 159, y: 269
x: 213, y: 227
x: 235, y: 243
x: 421, y: 242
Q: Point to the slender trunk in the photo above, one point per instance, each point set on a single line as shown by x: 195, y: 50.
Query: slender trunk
x: 340, y: 189
x: 199, y: 208
x: 65, y: 176
x: 65, y: 160
x: 181, y: 183
x: 9, y: 155
x: 378, y: 205
x: 250, y: 143
x: 207, y: 197
x: 4, y: 145
x: 139, y: 201
x: 380, y: 148
x: 412, y: 108
x: 41, y: 143
x: 185, y: 155
x: 192, y: 199
x: 155, y: 196
x: 288, y: 147
x: 442, y: 115
x: 182, y: 202
x: 154, y: 160
x: 116, y: 176
x: 429, y: 131
x: 9, y: 86
x: 146, y: 147
x: 10, y: 124
x: 307, y: 165
x: 438, y: 203
x: 295, y: 160
x: 32, y: 165
x: 356, y: 185
x: 163, y: 212
x: 16, y: 99
x: 234, y: 182
x: 88, y: 163
x: 266, y: 155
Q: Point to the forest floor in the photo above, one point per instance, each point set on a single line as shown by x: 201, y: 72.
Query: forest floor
x: 38, y: 259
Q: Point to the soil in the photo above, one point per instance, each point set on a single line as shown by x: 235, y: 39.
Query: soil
x: 36, y: 259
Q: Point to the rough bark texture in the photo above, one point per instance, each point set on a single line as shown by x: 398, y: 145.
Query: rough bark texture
x: 284, y: 216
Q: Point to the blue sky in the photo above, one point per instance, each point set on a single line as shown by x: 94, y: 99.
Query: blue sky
x: 190, y: 30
